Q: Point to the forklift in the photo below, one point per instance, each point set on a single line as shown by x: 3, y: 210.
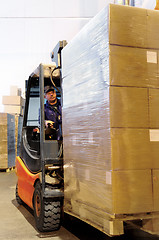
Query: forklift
x: 39, y: 166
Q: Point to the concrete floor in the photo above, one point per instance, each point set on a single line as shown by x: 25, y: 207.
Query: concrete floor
x: 17, y: 222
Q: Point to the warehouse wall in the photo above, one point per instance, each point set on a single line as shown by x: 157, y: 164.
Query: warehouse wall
x: 138, y: 3
x: 30, y: 29
x: 149, y: 4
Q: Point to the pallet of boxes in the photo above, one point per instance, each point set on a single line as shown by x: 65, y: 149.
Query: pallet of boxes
x: 10, y: 128
x: 111, y: 120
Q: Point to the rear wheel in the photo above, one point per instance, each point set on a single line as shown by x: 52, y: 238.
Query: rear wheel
x: 19, y: 201
x: 47, y: 213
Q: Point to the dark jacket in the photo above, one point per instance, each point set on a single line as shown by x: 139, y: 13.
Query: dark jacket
x: 54, y: 113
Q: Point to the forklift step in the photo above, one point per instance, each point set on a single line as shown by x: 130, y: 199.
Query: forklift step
x: 53, y: 161
x: 53, y: 193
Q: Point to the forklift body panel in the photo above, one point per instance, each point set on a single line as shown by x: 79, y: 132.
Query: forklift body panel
x: 26, y: 181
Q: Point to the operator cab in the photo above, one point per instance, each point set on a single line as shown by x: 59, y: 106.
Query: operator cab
x: 36, y: 143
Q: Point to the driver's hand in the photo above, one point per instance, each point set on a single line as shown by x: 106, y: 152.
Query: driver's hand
x: 49, y: 124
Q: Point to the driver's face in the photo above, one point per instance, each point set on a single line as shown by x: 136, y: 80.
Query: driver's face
x: 51, y: 96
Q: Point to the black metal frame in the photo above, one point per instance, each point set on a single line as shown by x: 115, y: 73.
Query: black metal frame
x: 42, y: 120
x: 49, y: 149
x: 56, y: 53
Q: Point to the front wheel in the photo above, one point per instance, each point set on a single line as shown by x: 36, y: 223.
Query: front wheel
x: 47, y: 213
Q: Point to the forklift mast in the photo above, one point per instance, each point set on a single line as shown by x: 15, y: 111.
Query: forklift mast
x: 56, y: 53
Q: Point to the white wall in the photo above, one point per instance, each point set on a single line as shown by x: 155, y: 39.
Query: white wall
x: 150, y: 4
x: 30, y: 29
x: 138, y: 3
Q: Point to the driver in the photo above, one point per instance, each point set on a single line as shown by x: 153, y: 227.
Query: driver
x: 52, y: 110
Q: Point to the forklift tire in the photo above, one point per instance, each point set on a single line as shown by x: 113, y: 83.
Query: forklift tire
x: 19, y: 201
x: 47, y: 213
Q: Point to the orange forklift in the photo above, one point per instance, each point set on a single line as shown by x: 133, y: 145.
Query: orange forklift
x: 39, y: 166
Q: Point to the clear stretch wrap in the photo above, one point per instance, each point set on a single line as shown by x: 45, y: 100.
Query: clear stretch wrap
x: 7, y: 140
x: 111, y: 115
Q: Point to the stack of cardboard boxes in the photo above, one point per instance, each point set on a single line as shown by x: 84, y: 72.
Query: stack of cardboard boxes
x: 7, y: 140
x: 134, y: 77
x: 111, y: 116
x: 10, y: 127
x: 13, y: 104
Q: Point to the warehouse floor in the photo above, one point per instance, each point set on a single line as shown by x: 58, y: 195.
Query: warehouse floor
x: 17, y: 222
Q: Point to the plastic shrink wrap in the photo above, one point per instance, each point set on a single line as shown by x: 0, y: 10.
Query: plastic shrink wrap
x: 111, y: 116
x: 7, y: 140
x: 18, y: 130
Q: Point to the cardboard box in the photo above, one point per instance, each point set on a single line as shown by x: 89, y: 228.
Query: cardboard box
x: 155, y: 176
x: 128, y: 107
x: 112, y: 149
x: 135, y: 27
x: 15, y: 91
x: 128, y: 26
x: 154, y: 146
x: 132, y: 191
x: 4, y: 160
x: 130, y: 149
x: 133, y: 67
x: 7, y: 140
x: 152, y: 25
x: 13, y: 100
x: 116, y: 192
x: 13, y: 109
x: 153, y: 107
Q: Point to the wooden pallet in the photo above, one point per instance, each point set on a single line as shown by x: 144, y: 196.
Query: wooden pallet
x: 113, y: 224
x: 7, y: 169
